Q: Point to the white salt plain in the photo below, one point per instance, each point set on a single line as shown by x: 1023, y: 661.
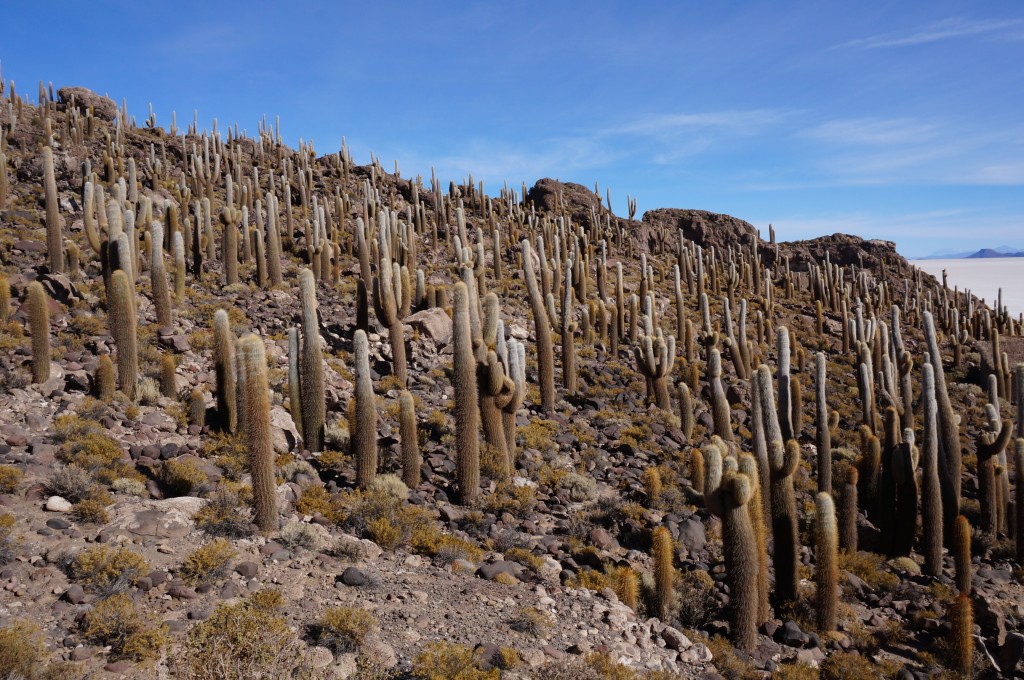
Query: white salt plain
x: 984, y: 277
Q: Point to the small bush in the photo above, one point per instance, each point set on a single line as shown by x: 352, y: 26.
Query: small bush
x: 450, y: 661
x: 227, y: 452
x: 299, y: 535
x: 853, y: 666
x: 241, y: 641
x: 314, y: 501
x: 22, y: 649
x: 581, y: 488
x: 379, y: 516
x: 8, y: 543
x: 696, y: 589
x: 208, y: 563
x: 224, y: 516
x: 130, y: 487
x: 390, y: 485
x: 107, y: 571
x: 293, y: 469
x: 10, y: 478
x: 70, y: 482
x: 342, y: 629
x: 98, y: 454
x: 91, y: 511
x: 518, y: 501
x: 182, y: 477
x: 116, y: 622
x: 531, y: 621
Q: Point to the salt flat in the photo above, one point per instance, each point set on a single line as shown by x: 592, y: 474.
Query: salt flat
x: 984, y: 278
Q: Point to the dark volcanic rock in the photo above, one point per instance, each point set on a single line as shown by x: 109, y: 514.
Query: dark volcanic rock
x: 700, y: 226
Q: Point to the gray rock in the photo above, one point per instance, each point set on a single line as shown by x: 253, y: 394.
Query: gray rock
x: 353, y: 577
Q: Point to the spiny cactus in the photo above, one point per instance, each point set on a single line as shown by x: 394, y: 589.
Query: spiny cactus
x: 848, y: 512
x: 823, y: 432
x: 121, y: 302
x: 178, y: 250
x: 229, y: 219
x: 568, y: 340
x: 542, y: 331
x: 960, y: 639
x: 39, y: 326
x: 949, y: 433
x: 785, y: 403
x: 467, y: 414
x: 991, y: 445
x: 168, y: 371
x: 962, y: 554
x: 1018, y: 467
x: 158, y: 277
x: 826, y: 553
x: 654, y: 358
x: 392, y: 300
x: 412, y: 461
x: 748, y: 466
x: 727, y: 493
x: 664, y: 572
x: 252, y: 364
x: 719, y: 404
x: 105, y: 380
x: 627, y: 588
x: 311, y: 367
x: 294, y: 381
x: 931, y: 499
x: 512, y: 354
x: 364, y: 433
x: 783, y: 459
x: 5, y: 299
x: 686, y: 418
x: 54, y: 233
x: 224, y: 370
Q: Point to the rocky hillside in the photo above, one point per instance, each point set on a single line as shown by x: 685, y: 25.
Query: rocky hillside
x: 269, y: 413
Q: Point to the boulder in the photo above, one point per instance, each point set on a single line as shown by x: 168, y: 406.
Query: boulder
x: 85, y: 99
x: 433, y: 325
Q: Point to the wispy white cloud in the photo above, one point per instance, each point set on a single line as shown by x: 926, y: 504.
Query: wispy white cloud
x: 732, y: 121
x: 881, y: 131
x: 943, y: 30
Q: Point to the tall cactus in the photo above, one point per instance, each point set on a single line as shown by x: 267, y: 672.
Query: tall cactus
x: 783, y: 458
x: 39, y: 326
x: 991, y: 445
x: 252, y: 364
x: 412, y: 460
x: 931, y: 498
x: 54, y: 233
x: 962, y: 554
x: 224, y: 370
x: 542, y: 331
x: 823, y: 432
x: 294, y: 380
x: 392, y: 300
x: 124, y: 329
x: 467, y: 414
x: 512, y: 353
x: 848, y: 512
x: 719, y: 404
x: 826, y: 553
x: 364, y: 435
x: 654, y: 358
x: 949, y: 433
x: 158, y: 277
x: 960, y: 639
x: 1018, y: 467
x: 727, y: 493
x: 312, y: 366
x: 661, y: 552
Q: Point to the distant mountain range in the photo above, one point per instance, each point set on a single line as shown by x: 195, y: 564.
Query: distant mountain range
x: 1001, y: 251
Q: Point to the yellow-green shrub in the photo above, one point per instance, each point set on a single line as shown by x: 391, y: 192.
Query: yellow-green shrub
x: 241, y: 641
x: 342, y: 629
x: 450, y: 661
x: 116, y: 622
x: 107, y: 571
x: 208, y: 563
x: 182, y: 477
x: 10, y: 478
x: 22, y: 650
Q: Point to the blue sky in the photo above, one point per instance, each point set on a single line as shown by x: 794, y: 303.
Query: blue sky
x: 890, y: 120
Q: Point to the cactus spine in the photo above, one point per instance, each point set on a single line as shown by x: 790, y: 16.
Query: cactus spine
x: 311, y: 367
x: 392, y: 299
x: 467, y: 414
x: 252, y: 364
x: 1018, y: 457
x: 39, y: 326
x: 105, y: 379
x: 54, y: 234
x: 168, y: 369
x: 826, y: 575
x: 364, y: 435
x: 294, y: 381
x: 686, y: 418
x: 124, y: 323
x: 848, y: 512
x: 412, y: 461
x: 962, y: 554
x: 224, y: 368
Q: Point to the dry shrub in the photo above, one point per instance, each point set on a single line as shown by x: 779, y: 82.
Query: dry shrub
x: 209, y: 563
x: 115, y: 621
x: 342, y: 629
x: 107, y: 571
